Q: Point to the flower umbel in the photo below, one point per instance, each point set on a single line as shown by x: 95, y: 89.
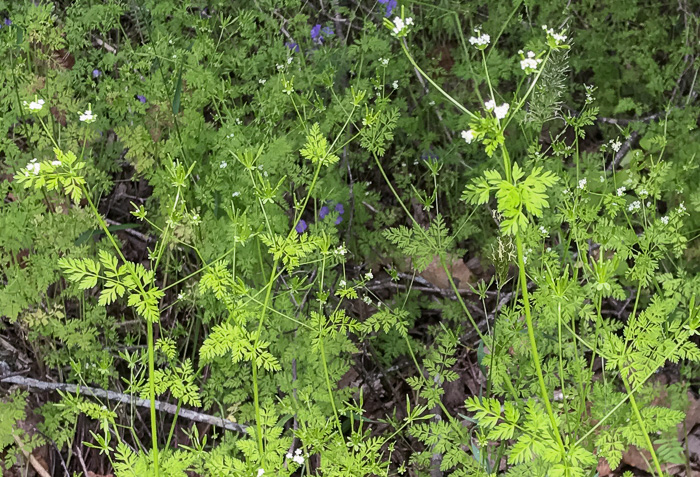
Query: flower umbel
x: 481, y: 41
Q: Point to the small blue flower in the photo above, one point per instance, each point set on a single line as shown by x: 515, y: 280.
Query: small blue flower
x: 301, y: 227
x: 292, y: 46
x: 7, y: 22
x: 390, y: 5
x: 338, y: 220
x: 323, y: 212
x: 317, y: 33
x: 339, y: 208
x: 141, y: 98
x: 96, y: 73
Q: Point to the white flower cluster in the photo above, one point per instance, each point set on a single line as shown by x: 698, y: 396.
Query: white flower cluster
x: 499, y: 111
x: 529, y: 63
x: 615, y: 145
x: 481, y: 41
x: 33, y: 167
x: 384, y: 62
x: 261, y: 472
x: 395, y: 85
x: 664, y: 220
x: 401, y: 26
x: 87, y: 116
x: 468, y: 136
x: 340, y: 251
x: 558, y: 38
x: 582, y: 183
x: 297, y: 457
x: 621, y: 191
x: 589, y: 93
x: 35, y: 105
x: 223, y: 165
x: 636, y: 205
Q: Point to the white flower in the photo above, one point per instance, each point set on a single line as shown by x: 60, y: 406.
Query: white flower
x: 223, y: 165
x: 636, y: 205
x: 558, y: 38
x: 297, y: 452
x: 468, y: 136
x: 681, y: 207
x: 261, y: 472
x: 180, y: 296
x: 384, y: 62
x: 87, y: 116
x: 643, y: 192
x: 35, y: 105
x: 616, y: 145
x: 289, y: 455
x: 368, y: 275
x: 395, y: 85
x: 664, y: 220
x: 400, y: 26
x: 565, y: 192
x: 481, y: 41
x: 298, y: 459
x: 289, y: 60
x: 543, y: 231
x: 582, y: 183
x: 530, y: 63
x: 56, y: 163
x: 340, y: 251
x: 33, y: 167
x: 262, y: 81
x: 236, y: 194
x: 367, y: 300
x: 501, y: 111
x: 342, y: 283
x: 621, y: 191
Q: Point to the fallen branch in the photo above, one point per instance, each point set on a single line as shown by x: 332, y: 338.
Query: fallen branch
x: 32, y: 460
x: 35, y: 384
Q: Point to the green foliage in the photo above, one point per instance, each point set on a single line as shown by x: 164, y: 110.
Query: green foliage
x: 274, y: 155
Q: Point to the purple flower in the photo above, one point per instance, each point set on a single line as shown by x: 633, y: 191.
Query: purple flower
x: 390, y: 5
x: 323, y: 212
x: 317, y: 33
x: 292, y: 46
x: 96, y: 73
x: 141, y: 98
x: 339, y: 208
x: 7, y: 22
x: 301, y: 227
x: 338, y: 220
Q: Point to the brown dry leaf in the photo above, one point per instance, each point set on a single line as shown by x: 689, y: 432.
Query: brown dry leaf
x: 435, y: 274
x: 603, y: 468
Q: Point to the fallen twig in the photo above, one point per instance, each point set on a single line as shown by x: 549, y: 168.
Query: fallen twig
x: 32, y: 460
x: 125, y: 399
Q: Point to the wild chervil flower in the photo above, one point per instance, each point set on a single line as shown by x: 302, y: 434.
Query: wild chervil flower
x: 401, y: 26
x: 529, y: 62
x: 34, y: 167
x: 481, y: 41
x: 664, y: 220
x: 582, y: 183
x: 634, y: 206
x: 395, y: 85
x: 223, y: 165
x: 298, y: 458
x: 559, y: 38
x: 616, y: 145
x: 261, y: 472
x: 468, y: 136
x: 87, y: 116
x: 499, y: 111
x: 35, y: 105
x: 621, y: 191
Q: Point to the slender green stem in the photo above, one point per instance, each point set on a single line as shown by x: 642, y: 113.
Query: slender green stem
x: 533, y: 342
x: 640, y: 422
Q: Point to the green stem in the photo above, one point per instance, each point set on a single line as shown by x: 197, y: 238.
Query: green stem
x: 640, y: 421
x: 533, y: 342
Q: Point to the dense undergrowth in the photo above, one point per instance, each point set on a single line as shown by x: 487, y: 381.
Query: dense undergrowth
x: 348, y: 238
